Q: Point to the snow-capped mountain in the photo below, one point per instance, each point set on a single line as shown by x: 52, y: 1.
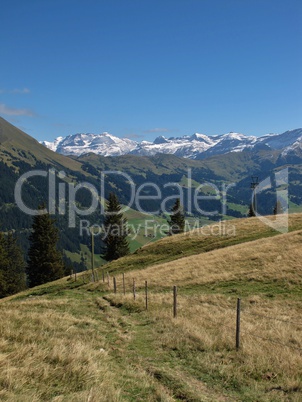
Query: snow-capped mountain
x: 196, y: 146
x: 292, y: 153
x: 231, y: 142
x: 53, y: 145
x: 186, y: 146
x: 103, y: 144
x: 281, y: 141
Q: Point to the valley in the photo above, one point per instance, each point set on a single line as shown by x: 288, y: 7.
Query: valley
x: 164, y: 174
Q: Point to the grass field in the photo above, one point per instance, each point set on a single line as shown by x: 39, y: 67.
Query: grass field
x: 215, y: 236
x: 79, y: 341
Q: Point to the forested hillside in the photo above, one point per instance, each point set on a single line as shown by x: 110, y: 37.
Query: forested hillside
x: 152, y: 183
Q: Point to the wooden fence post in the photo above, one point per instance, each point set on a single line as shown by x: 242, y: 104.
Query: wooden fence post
x: 174, y: 301
x: 146, y: 294
x: 124, y: 289
x: 238, y: 325
x: 134, y: 295
x: 114, y: 284
x: 92, y: 255
x: 108, y: 279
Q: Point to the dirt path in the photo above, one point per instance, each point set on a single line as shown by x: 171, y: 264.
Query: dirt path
x: 148, y: 372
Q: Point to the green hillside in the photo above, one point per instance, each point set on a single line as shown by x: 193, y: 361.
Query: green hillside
x: 213, y: 237
x: 15, y: 145
x: 74, y: 340
x: 20, y: 153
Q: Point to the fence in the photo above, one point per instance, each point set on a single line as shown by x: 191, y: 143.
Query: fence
x: 238, y: 333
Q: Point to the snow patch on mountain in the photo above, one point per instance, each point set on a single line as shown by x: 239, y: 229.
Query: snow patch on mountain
x: 186, y: 146
x: 53, y: 145
x: 103, y: 144
x: 280, y: 141
x: 196, y: 146
x: 295, y: 148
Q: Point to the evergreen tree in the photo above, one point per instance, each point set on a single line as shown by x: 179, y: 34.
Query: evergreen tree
x: 251, y: 211
x: 16, y: 275
x: 177, y: 219
x: 3, y: 266
x: 12, y: 266
x: 116, y: 230
x: 44, y: 260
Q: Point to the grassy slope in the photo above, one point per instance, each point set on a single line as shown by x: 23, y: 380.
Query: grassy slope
x: 17, y: 145
x: 229, y: 167
x: 77, y: 341
x: 194, y: 242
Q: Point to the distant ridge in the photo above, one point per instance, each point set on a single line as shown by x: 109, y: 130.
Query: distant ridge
x: 17, y: 145
x: 196, y: 146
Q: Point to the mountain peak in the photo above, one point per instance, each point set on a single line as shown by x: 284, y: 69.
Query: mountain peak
x: 196, y: 146
x: 201, y: 138
x: 160, y: 140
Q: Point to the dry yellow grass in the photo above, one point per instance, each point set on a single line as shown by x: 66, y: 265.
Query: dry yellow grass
x: 67, y: 349
x: 47, y: 353
x: 213, y: 237
x: 70, y: 344
x: 268, y: 366
x: 269, y: 362
x: 275, y: 259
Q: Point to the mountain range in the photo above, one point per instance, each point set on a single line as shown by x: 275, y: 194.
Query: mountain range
x: 196, y: 146
x: 243, y: 157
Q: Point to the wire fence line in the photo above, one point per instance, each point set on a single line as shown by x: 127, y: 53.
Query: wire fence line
x: 274, y: 318
x: 222, y: 325
x: 273, y: 341
x: 245, y: 332
x: 133, y: 290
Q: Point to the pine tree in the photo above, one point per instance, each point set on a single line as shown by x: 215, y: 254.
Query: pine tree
x: 116, y: 230
x: 177, y: 219
x: 12, y: 266
x: 44, y: 260
x: 251, y: 211
x: 3, y: 266
x: 16, y: 275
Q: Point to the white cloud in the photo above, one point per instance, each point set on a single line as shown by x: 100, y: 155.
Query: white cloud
x: 15, y: 91
x: 158, y: 130
x: 133, y: 136
x: 10, y: 111
x: 20, y: 91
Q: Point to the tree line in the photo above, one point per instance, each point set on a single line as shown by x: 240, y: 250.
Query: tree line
x: 12, y: 266
x: 45, y: 262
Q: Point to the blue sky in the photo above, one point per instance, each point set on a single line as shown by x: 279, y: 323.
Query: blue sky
x: 143, y: 68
